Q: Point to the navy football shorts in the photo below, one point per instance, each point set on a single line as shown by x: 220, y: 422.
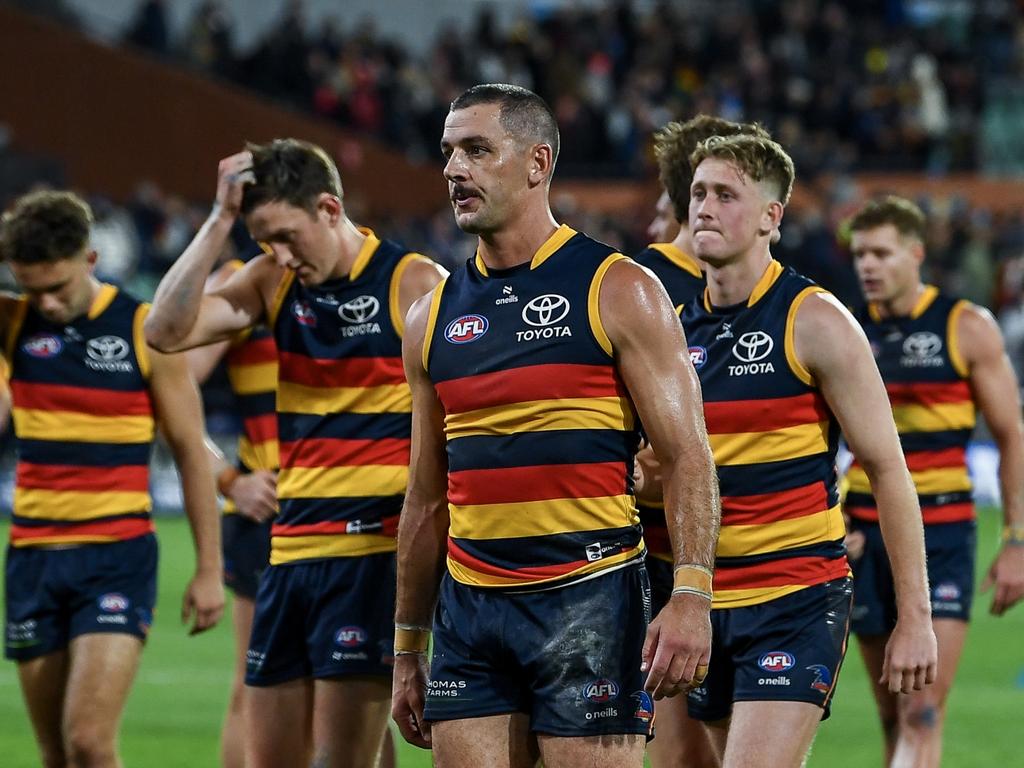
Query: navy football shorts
x: 787, y: 649
x: 246, y: 553
x: 568, y: 657
x: 951, y: 550
x: 322, y: 619
x: 53, y: 595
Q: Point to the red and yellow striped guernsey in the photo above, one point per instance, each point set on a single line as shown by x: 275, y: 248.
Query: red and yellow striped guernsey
x: 540, y: 429
x: 83, y: 422
x: 252, y: 373
x: 344, y: 410
x: 932, y: 405
x: 774, y: 440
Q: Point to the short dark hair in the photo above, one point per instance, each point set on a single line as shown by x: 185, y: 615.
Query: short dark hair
x: 759, y: 159
x: 45, y: 226
x: 903, y: 214
x: 522, y: 113
x: 294, y: 171
x: 674, y: 144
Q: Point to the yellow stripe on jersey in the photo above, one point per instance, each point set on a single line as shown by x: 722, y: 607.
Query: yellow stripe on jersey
x: 286, y: 549
x: 542, y: 416
x: 253, y: 379
x: 38, y: 503
x: 741, y: 540
x: 953, y: 339
x: 926, y: 481
x: 435, y: 306
x: 37, y: 424
x: 263, y: 455
x: 541, y: 518
x: 594, y: 304
x: 355, y: 481
x: 388, y: 398
x: 394, y: 290
x: 466, y: 575
x: 798, y: 368
x: 139, y: 340
x: 738, y: 598
x: 933, y: 418
x: 738, y: 448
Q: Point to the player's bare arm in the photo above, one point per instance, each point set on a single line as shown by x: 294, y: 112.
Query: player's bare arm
x: 422, y: 531
x: 418, y: 279
x: 996, y: 393
x: 183, y: 314
x: 834, y: 350
x: 180, y: 416
x: 651, y: 356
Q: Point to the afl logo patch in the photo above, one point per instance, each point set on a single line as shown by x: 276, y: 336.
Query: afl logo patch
x: 463, y: 330
x: 114, y: 602
x: 350, y: 637
x: 304, y: 313
x: 698, y: 356
x: 776, y: 661
x: 43, y: 345
x: 600, y: 691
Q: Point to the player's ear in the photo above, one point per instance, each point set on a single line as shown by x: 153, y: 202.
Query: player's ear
x: 771, y: 218
x: 331, y: 206
x: 542, y: 161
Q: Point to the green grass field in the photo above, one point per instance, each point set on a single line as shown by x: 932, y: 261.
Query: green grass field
x: 173, y: 715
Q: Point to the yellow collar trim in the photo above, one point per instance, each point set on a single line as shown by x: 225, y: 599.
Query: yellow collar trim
x: 928, y: 295
x: 106, y: 295
x: 679, y: 257
x: 370, y: 246
x: 764, y: 283
x: 561, y: 236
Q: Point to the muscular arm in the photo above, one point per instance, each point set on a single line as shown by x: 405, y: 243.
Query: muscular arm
x: 833, y: 348
x: 995, y: 389
x: 651, y: 355
x: 422, y: 529
x: 180, y: 416
x: 418, y: 279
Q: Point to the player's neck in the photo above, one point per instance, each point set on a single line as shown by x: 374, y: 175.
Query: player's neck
x: 519, y: 241
x: 683, y: 241
x: 732, y: 282
x: 901, y: 305
x: 350, y: 241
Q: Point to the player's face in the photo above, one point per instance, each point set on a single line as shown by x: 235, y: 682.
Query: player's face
x: 888, y: 264
x: 663, y: 227
x: 729, y: 213
x: 487, y: 169
x: 61, y: 290
x: 298, y: 240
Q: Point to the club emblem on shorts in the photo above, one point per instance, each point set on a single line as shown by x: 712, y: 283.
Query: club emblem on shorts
x: 822, y: 678
x: 698, y: 357
x: 114, y: 602
x: 776, y: 661
x: 600, y: 691
x: 350, y: 637
x: 644, y: 707
x: 304, y: 313
x: 463, y: 330
x: 43, y: 345
x: 545, y: 310
x: 361, y: 309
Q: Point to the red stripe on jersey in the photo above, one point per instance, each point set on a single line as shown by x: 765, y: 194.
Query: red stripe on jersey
x: 344, y: 372
x: 254, y: 352
x: 521, y: 484
x: 530, y: 572
x: 948, y: 513
x: 260, y: 429
x: 532, y: 382
x: 389, y: 528
x: 928, y: 393
x: 93, y: 401
x: 732, y: 416
x: 947, y: 458
x: 336, y: 452
x: 62, y: 477
x: 783, y: 572
x: 126, y: 528
x: 761, y: 508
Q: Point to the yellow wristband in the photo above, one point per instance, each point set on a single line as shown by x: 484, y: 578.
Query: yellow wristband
x: 1013, y: 535
x: 411, y: 639
x: 692, y: 578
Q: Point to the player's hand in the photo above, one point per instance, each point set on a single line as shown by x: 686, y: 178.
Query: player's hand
x: 408, y: 691
x: 233, y: 173
x: 678, y: 646
x: 647, y: 476
x: 911, y: 656
x: 854, y: 544
x: 255, y: 495
x: 1006, y: 574
x: 204, y: 599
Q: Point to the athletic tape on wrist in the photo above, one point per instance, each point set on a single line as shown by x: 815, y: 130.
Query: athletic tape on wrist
x: 411, y: 639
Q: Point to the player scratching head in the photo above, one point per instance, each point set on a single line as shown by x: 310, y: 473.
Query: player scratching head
x: 293, y: 208
x: 887, y: 243
x: 44, y: 239
x: 741, y: 185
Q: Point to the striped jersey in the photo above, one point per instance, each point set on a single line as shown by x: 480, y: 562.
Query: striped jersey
x: 344, y: 409
x: 83, y: 422
x: 539, y: 427
x: 774, y: 440
x: 927, y: 383
x: 252, y: 372
x: 683, y: 279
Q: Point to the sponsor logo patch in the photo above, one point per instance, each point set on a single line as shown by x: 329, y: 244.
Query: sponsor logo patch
x: 361, y: 309
x: 545, y: 310
x: 108, y: 353
x: 466, y: 329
